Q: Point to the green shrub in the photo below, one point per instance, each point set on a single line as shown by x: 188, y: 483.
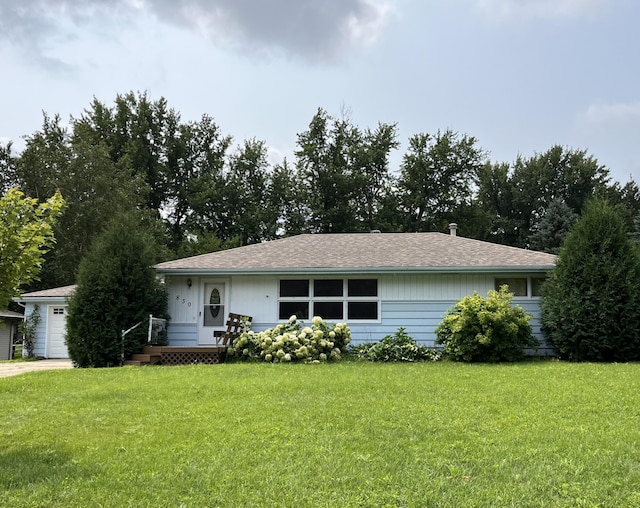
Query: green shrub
x: 488, y: 329
x: 293, y: 342
x: 28, y: 329
x: 117, y: 288
x: 399, y: 347
x: 591, y: 300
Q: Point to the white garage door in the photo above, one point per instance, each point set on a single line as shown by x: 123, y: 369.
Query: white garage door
x: 56, y: 326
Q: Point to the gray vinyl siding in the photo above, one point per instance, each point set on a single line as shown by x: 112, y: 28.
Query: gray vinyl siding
x: 5, y: 339
x: 420, y: 320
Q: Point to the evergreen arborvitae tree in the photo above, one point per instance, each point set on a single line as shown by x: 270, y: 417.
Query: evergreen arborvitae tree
x: 591, y: 300
x: 117, y: 288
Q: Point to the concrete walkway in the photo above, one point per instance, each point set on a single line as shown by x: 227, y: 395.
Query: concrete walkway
x: 15, y: 368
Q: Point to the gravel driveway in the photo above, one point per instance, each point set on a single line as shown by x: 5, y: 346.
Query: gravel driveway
x: 15, y: 368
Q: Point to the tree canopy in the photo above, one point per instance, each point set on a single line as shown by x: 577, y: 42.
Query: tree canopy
x: 26, y: 234
x: 198, y: 190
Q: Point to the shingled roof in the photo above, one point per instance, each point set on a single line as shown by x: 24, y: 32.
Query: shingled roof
x: 365, y: 252
x: 60, y: 292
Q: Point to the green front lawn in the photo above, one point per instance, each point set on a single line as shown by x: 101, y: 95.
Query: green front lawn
x: 348, y: 434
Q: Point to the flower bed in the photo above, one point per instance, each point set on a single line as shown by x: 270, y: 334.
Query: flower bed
x: 293, y: 342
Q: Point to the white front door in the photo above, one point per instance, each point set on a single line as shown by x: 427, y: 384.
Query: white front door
x: 213, y: 317
x: 56, y: 328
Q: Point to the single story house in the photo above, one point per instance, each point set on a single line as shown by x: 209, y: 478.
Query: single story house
x: 9, y: 321
x: 376, y: 282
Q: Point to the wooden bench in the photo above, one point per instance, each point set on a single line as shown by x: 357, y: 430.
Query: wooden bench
x: 235, y: 326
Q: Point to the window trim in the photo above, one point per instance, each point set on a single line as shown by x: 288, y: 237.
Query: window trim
x: 345, y: 299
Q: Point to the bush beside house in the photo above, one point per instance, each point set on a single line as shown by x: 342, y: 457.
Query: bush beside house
x: 117, y: 287
x: 591, y: 300
x: 399, y: 347
x: 293, y: 342
x: 488, y: 329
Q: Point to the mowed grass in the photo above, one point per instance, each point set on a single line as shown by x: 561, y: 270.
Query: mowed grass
x: 348, y: 434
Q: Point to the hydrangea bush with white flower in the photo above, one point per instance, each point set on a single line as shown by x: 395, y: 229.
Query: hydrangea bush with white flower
x: 293, y: 342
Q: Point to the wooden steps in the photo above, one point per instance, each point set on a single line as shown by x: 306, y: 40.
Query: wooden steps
x: 185, y: 355
x: 149, y: 356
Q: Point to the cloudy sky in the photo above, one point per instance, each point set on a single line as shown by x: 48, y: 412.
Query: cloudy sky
x: 519, y: 75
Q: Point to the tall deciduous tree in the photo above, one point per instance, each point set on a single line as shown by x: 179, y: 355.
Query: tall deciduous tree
x: 495, y: 198
x: 26, y: 233
x: 117, y: 288
x: 372, y: 178
x: 286, y: 196
x: 627, y: 198
x: 94, y: 187
x: 136, y: 131
x: 437, y: 178
x: 572, y: 176
x: 516, y: 197
x: 324, y: 161
x: 344, y: 172
x: 196, y: 204
x: 591, y: 300
x: 252, y: 220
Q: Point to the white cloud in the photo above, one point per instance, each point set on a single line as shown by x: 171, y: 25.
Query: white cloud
x: 509, y: 9
x: 607, y: 115
x: 366, y: 29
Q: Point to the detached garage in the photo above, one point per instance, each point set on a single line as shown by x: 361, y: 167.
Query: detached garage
x: 51, y: 306
x: 8, y: 332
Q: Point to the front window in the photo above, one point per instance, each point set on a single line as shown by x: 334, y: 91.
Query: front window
x: 294, y: 299
x: 294, y: 288
x: 363, y: 287
x: 331, y: 299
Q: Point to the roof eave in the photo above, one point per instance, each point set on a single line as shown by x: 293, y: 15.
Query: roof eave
x: 26, y: 299
x: 355, y: 270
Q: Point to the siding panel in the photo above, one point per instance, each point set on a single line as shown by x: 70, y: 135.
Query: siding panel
x: 182, y: 334
x: 256, y: 297
x: 420, y: 319
x: 5, y: 339
x: 425, y: 287
x: 183, y: 300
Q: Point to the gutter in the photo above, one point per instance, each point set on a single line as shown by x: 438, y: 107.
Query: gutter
x: 356, y: 271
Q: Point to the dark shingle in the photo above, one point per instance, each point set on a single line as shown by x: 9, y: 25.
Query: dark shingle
x: 383, y: 251
x: 63, y: 292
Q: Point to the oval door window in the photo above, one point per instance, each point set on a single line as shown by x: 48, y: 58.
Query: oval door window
x: 214, y: 302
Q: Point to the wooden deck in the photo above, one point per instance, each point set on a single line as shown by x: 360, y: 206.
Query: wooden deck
x: 185, y: 355
x: 179, y: 355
